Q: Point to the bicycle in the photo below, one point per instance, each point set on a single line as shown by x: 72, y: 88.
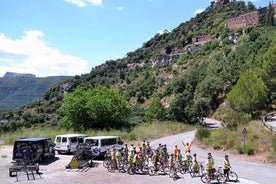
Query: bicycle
x: 232, y: 177
x: 106, y: 161
x: 173, y: 173
x: 162, y: 167
x: 198, y: 171
x: 214, y: 175
x: 133, y: 168
x: 113, y: 166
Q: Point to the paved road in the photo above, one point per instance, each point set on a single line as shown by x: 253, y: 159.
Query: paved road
x: 247, y: 171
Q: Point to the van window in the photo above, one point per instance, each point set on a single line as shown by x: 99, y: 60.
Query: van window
x: 64, y: 139
x: 58, y: 139
x: 74, y: 139
x: 106, y: 142
x: 92, y: 142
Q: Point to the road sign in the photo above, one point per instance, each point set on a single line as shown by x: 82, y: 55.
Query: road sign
x: 244, y: 131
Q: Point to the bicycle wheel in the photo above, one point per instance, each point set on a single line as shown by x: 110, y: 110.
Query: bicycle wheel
x: 195, y: 173
x: 233, y: 176
x: 152, y: 171
x: 106, y: 162
x: 145, y: 169
x: 111, y: 168
x: 130, y: 170
x: 204, y: 178
x: 221, y: 178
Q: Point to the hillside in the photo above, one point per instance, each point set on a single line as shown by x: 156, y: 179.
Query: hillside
x: 17, y: 90
x: 181, y: 75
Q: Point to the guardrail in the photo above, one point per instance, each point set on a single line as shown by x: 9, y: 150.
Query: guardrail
x: 267, y: 118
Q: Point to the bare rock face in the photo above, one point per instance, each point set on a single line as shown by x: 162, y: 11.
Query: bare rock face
x: 13, y: 74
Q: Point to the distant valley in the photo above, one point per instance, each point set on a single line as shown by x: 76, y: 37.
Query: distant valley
x: 17, y: 89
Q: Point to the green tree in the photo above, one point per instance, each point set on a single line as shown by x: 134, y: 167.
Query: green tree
x: 155, y: 110
x: 269, y: 66
x: 249, y: 94
x: 97, y: 107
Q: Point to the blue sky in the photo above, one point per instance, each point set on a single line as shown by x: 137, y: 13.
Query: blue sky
x: 69, y: 37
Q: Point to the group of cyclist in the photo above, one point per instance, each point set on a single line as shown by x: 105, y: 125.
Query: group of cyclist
x: 160, y: 156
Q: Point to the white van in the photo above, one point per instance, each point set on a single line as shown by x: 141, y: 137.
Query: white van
x: 102, y: 143
x: 67, y: 143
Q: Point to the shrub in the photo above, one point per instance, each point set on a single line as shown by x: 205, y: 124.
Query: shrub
x: 249, y: 149
x: 202, y: 133
x: 217, y: 147
x: 230, y: 144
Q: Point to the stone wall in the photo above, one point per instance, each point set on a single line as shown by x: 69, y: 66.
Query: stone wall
x: 246, y: 19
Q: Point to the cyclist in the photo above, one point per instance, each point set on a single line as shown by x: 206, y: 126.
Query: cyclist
x: 164, y: 152
x: 175, y: 151
x: 113, y: 155
x: 118, y: 157
x: 226, y: 167
x: 125, y: 152
x: 171, y: 163
x: 108, y: 153
x: 159, y: 148
x: 187, y: 146
x: 155, y: 159
x: 195, y: 165
x: 188, y: 157
x: 131, y: 157
x: 179, y: 156
x: 148, y: 149
x: 209, y: 167
x: 212, y: 159
x: 144, y: 146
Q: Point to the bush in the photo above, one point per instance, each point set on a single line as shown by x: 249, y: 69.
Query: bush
x: 202, y: 133
x: 249, y: 149
x: 230, y: 144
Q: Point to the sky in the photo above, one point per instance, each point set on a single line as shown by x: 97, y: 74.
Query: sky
x: 70, y: 37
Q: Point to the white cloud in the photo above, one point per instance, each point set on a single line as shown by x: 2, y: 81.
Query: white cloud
x: 31, y: 54
x: 120, y: 8
x: 198, y: 11
x: 83, y: 3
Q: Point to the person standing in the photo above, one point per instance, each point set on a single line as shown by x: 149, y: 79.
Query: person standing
x: 209, y: 167
x: 175, y: 151
x: 195, y: 165
x: 187, y: 146
x: 226, y: 167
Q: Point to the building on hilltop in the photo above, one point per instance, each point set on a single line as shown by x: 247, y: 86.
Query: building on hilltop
x: 250, y: 18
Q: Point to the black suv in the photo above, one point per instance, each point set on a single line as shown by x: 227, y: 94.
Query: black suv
x: 40, y: 148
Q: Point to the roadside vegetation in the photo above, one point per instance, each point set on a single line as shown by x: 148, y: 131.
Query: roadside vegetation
x: 258, y: 140
x: 147, y: 131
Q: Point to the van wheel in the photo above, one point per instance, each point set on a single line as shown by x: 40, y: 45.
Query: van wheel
x: 10, y: 174
x: 53, y: 154
x: 39, y: 159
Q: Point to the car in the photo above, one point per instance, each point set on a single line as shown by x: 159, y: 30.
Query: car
x: 29, y: 152
x: 41, y: 148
